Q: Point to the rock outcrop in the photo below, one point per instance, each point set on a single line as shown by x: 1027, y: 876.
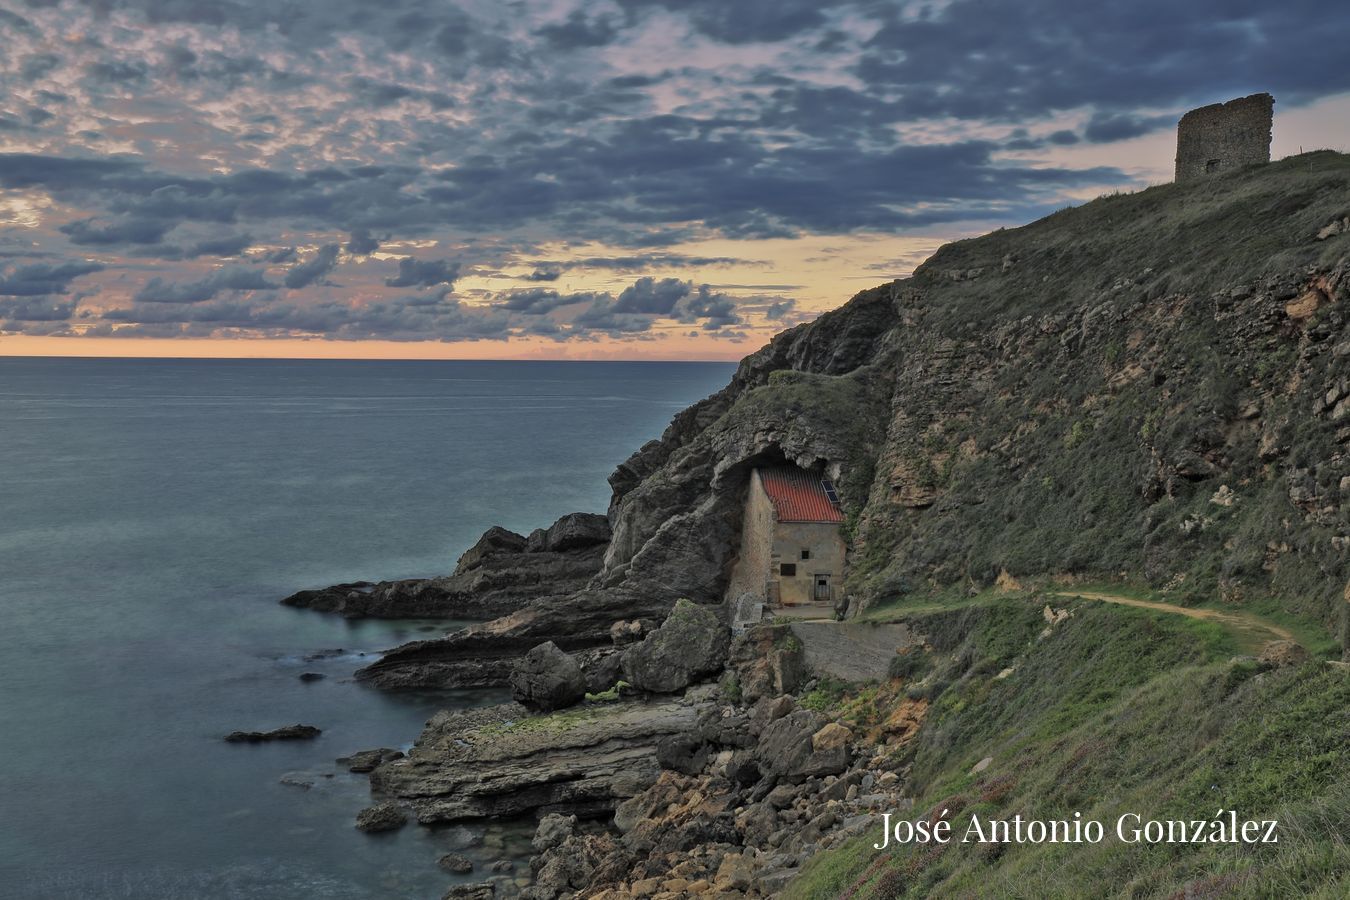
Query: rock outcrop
x: 499, y: 761
x: 498, y: 575
x: 286, y: 733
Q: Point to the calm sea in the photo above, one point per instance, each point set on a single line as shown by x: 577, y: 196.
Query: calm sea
x: 153, y: 512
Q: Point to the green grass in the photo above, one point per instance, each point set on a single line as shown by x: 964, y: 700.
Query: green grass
x: 1119, y: 710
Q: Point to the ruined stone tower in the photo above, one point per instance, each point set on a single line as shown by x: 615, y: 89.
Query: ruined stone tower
x: 1224, y: 136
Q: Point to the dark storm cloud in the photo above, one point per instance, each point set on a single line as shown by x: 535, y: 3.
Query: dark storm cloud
x: 976, y: 60
x: 116, y: 72
x: 651, y: 297
x: 130, y: 230
x: 538, y: 301
x: 423, y: 273
x: 386, y: 93
x: 312, y: 269
x: 225, y: 245
x: 431, y: 316
x: 361, y: 243
x: 577, y: 31
x: 1123, y: 126
x: 33, y: 309
x: 34, y: 280
x: 744, y: 21
x: 545, y: 273
x: 230, y: 278
x: 717, y: 310
x: 551, y: 270
x: 16, y: 22
x: 38, y: 66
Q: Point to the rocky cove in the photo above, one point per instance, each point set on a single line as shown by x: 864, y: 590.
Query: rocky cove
x: 1148, y: 389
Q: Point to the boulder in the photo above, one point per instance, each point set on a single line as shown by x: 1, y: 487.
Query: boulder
x: 601, y: 668
x: 691, y: 643
x: 1282, y: 653
x: 456, y: 863
x: 381, y: 817
x: 801, y: 745
x: 288, y: 733
x: 684, y: 753
x: 547, y: 679
x: 483, y: 891
x: 553, y: 830
x: 575, y: 531
x: 366, y: 760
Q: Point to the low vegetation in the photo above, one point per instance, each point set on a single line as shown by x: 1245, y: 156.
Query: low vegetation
x: 1112, y: 710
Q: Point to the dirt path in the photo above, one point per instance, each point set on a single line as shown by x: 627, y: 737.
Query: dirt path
x: 1245, y: 623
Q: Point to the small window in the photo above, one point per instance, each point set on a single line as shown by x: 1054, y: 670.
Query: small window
x: 806, y: 554
x: 788, y: 570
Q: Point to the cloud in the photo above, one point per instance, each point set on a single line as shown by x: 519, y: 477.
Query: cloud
x: 744, y: 21
x: 524, y: 135
x: 424, y: 273
x: 651, y: 297
x: 33, y: 309
x: 577, y: 31
x: 90, y: 232
x: 312, y: 269
x: 225, y: 245
x: 538, y: 301
x: 34, y: 280
x: 230, y: 278
x: 545, y: 273
x: 361, y: 243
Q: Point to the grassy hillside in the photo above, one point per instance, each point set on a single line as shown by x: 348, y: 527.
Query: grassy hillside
x: 1151, y: 387
x: 1114, y: 710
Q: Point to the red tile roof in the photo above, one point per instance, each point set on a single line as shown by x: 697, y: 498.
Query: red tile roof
x: 798, y: 496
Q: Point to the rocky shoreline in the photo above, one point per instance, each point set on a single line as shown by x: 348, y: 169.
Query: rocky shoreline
x: 498, y: 575
x: 704, y: 774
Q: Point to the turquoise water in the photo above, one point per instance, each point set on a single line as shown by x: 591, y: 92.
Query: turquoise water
x: 152, y: 513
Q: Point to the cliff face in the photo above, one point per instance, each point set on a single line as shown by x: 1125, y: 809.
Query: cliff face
x: 1152, y: 386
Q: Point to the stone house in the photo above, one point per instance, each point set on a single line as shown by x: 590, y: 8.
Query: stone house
x: 792, y: 551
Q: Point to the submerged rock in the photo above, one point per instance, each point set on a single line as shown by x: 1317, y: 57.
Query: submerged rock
x: 288, y: 733
x: 381, y: 817
x: 456, y: 863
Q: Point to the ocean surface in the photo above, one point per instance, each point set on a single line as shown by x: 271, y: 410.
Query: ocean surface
x: 153, y: 512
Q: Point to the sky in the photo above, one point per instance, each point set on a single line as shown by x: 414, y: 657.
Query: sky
x: 632, y: 179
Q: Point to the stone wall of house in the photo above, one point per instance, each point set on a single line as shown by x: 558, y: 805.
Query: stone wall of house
x: 750, y: 573
x: 825, y: 546
x: 1224, y: 136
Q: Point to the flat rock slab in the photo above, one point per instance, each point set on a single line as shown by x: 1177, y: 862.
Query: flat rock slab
x: 853, y: 651
x: 501, y: 761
